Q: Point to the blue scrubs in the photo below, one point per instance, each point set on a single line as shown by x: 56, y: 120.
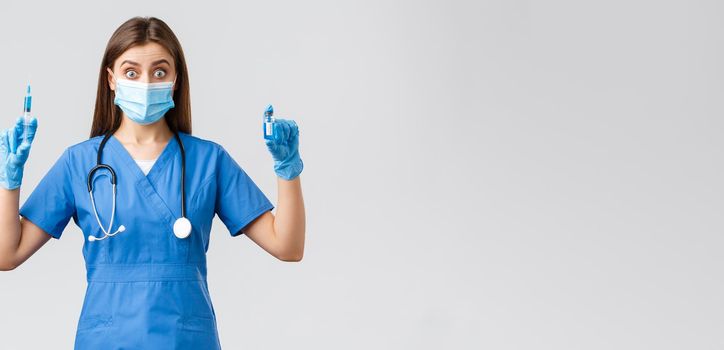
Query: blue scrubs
x: 146, y: 287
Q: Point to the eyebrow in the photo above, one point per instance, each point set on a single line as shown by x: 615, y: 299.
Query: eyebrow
x: 163, y: 60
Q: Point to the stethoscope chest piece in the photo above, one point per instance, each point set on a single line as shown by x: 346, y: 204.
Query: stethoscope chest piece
x: 182, y: 227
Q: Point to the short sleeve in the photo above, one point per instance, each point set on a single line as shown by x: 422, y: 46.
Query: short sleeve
x: 238, y: 199
x: 51, y: 205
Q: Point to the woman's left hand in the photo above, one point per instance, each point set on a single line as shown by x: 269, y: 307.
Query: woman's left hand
x: 284, y: 147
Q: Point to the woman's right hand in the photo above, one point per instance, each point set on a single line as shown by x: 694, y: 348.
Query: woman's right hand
x: 14, y: 151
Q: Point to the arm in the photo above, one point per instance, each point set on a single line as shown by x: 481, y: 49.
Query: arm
x: 19, y: 239
x: 282, y: 235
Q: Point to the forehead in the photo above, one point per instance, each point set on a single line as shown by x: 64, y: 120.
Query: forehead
x: 145, y: 54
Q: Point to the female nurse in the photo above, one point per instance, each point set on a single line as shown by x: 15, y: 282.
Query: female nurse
x: 147, y: 286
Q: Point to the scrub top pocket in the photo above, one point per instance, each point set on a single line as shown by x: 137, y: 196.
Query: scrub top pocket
x: 94, y: 322
x: 198, y: 324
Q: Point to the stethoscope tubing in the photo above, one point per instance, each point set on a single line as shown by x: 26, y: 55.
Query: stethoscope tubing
x: 100, y: 165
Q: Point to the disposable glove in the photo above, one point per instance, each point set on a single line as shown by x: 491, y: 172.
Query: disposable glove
x: 14, y: 151
x: 284, y: 147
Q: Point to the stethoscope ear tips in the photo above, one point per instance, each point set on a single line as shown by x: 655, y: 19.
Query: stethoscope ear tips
x: 121, y: 228
x: 91, y: 238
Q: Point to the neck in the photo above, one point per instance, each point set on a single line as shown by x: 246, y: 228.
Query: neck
x: 132, y: 132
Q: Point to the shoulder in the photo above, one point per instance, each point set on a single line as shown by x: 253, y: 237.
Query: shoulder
x: 211, y: 158
x: 92, y: 142
x: 196, y: 140
x: 201, y: 145
x: 81, y: 148
x: 200, y: 150
x: 214, y: 156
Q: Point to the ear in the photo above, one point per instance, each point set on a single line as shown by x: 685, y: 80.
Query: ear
x: 111, y: 79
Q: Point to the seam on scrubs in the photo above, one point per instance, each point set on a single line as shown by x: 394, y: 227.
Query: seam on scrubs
x: 67, y: 171
x: 80, y: 179
x: 249, y: 218
x: 201, y: 189
x: 147, y: 272
x: 162, y: 161
x: 145, y: 187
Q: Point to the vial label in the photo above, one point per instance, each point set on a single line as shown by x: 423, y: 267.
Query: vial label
x: 268, y: 128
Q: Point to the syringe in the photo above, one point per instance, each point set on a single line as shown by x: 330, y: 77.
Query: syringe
x: 26, y: 111
x: 269, y: 123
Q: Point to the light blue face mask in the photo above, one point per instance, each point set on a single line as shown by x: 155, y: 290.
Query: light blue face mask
x: 144, y: 103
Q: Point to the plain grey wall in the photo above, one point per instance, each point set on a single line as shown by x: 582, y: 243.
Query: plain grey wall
x: 483, y: 174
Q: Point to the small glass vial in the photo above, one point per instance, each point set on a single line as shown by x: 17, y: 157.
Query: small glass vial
x: 269, y: 123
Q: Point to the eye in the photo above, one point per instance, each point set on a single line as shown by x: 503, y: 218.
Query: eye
x: 159, y: 73
x: 131, y: 74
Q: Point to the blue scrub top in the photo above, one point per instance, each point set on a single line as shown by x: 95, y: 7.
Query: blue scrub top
x: 146, y: 287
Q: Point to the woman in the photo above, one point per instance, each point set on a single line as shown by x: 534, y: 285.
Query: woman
x: 146, y: 270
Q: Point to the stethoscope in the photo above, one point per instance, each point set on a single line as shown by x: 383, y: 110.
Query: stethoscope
x: 182, y: 226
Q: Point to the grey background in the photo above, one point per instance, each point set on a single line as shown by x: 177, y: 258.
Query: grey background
x: 484, y: 174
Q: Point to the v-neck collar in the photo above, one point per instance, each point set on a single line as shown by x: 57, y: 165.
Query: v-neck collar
x: 169, y: 151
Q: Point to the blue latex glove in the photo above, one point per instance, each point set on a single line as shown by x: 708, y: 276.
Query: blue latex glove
x: 284, y: 148
x: 14, y: 151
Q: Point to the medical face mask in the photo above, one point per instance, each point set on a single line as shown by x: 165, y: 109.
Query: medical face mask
x: 144, y: 103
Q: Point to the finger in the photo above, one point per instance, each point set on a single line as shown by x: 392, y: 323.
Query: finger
x: 32, y: 128
x: 4, y: 141
x: 279, y: 131
x: 291, y: 130
x: 287, y: 130
x: 270, y: 144
x: 15, y: 135
x: 294, y: 128
x: 275, y: 131
x: 22, y: 152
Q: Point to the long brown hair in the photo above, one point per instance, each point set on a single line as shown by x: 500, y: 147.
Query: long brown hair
x: 139, y: 31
